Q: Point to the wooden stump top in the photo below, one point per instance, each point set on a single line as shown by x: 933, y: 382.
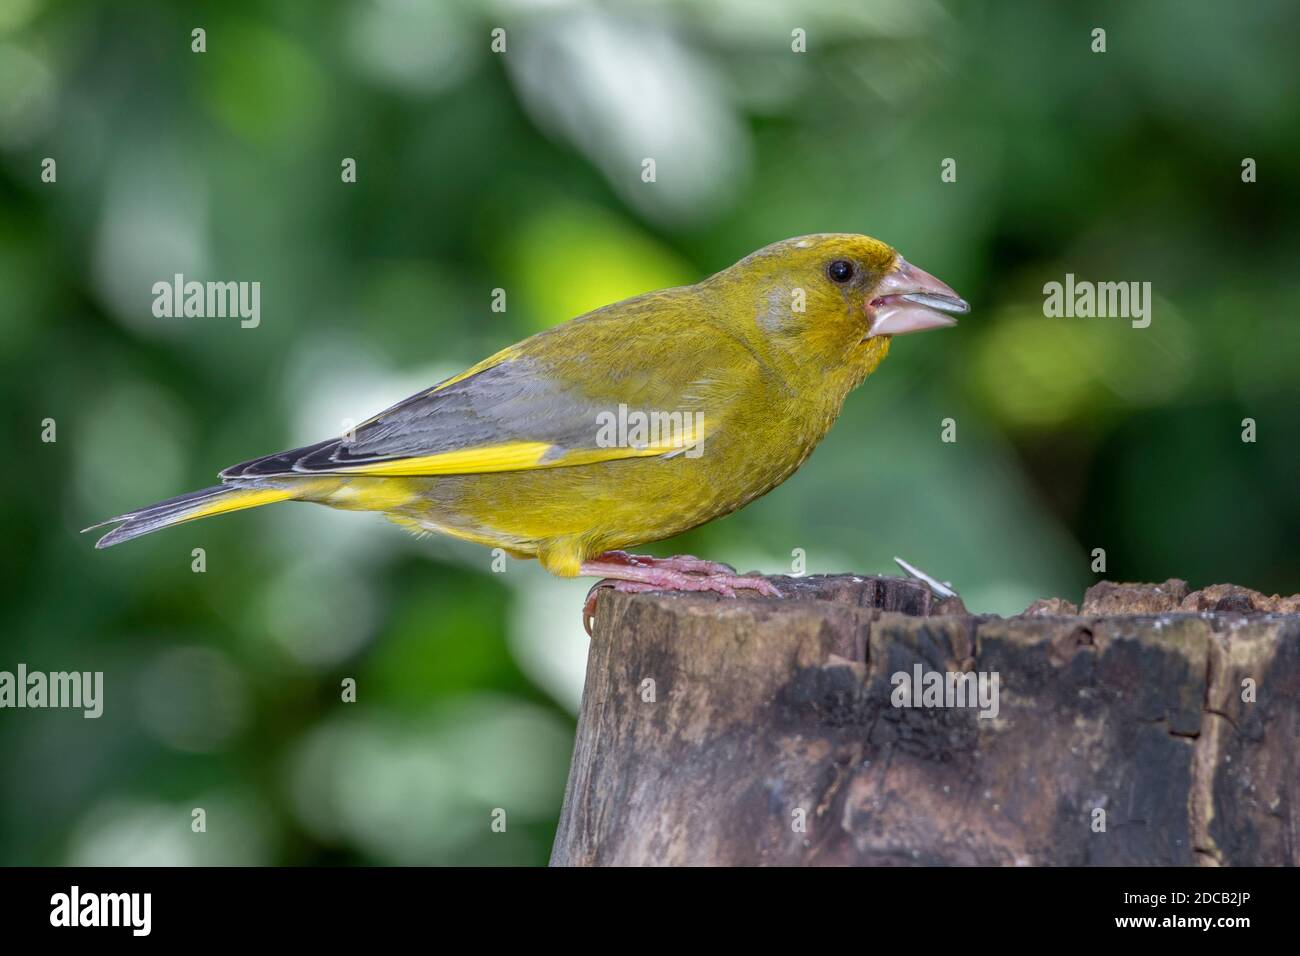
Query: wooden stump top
x: 1151, y: 725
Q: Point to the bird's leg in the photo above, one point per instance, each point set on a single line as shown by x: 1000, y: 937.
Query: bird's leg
x: 629, y: 572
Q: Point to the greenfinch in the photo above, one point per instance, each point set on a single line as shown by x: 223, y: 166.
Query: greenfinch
x: 626, y: 425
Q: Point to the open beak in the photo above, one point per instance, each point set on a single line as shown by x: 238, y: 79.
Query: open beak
x: 911, y: 300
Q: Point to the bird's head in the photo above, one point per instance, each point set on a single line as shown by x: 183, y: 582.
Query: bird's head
x: 835, y: 297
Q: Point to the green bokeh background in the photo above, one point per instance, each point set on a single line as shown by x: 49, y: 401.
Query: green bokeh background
x: 521, y: 171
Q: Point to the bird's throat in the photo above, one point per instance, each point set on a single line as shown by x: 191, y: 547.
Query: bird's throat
x: 865, y: 357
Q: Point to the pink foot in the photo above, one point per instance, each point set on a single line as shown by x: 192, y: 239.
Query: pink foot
x: 681, y: 562
x: 626, y: 572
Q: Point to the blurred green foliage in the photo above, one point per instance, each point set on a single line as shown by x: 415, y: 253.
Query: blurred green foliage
x: 521, y: 171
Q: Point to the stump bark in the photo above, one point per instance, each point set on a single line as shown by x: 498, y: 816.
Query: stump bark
x: 1151, y: 725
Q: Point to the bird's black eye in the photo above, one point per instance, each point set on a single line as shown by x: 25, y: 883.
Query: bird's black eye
x: 841, y: 270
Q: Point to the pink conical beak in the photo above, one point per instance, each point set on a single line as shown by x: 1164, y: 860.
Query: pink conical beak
x: 909, y: 299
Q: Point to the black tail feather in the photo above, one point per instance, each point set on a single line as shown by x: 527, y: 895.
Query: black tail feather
x: 160, y: 515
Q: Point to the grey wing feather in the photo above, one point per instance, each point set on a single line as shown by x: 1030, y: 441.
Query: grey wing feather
x: 504, y: 403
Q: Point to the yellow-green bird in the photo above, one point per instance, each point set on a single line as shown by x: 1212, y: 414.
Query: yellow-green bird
x: 630, y: 424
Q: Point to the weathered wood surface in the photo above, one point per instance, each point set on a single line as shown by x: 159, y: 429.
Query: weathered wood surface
x: 762, y: 712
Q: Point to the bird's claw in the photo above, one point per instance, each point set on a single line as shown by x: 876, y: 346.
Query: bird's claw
x: 589, y: 605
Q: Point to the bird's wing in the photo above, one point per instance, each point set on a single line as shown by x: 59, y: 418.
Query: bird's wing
x: 550, y: 401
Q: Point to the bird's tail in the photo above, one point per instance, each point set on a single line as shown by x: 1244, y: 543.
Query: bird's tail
x: 197, y: 504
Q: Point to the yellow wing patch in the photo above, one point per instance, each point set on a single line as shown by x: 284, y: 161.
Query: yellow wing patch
x: 514, y: 456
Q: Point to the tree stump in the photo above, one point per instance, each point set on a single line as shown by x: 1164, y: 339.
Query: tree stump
x: 1153, y: 725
